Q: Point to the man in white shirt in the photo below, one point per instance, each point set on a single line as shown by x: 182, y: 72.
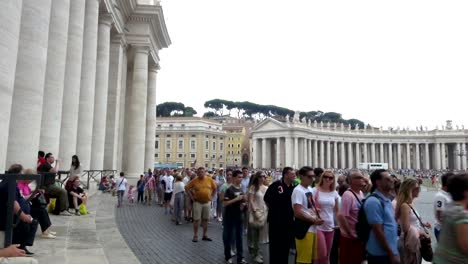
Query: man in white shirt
x: 168, y: 181
x: 121, y: 187
x: 442, y: 198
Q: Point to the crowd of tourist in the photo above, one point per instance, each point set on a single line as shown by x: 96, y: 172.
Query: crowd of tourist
x: 321, y: 216
x: 31, y: 207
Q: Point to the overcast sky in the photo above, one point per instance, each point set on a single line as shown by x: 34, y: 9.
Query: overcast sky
x: 387, y: 63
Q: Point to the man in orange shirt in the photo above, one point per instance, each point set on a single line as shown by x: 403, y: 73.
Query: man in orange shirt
x: 201, y: 191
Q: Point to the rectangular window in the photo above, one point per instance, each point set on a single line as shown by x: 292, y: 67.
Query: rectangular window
x: 213, y: 157
x: 206, y: 165
x: 192, y: 155
x: 238, y: 145
x: 207, y: 145
x: 221, y: 145
x: 180, y: 155
x: 156, y: 144
x: 168, y: 155
x: 156, y: 155
x: 214, y: 145
x: 206, y: 156
x: 193, y: 145
x: 181, y: 144
x: 168, y: 144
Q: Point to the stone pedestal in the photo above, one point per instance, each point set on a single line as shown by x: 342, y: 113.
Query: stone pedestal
x: 10, y: 21
x: 26, y: 108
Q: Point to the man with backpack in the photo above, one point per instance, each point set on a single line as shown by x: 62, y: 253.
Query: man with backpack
x: 352, y: 250
x: 383, y: 238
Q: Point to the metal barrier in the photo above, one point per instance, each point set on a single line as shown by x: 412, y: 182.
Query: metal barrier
x: 10, y: 181
x: 97, y: 175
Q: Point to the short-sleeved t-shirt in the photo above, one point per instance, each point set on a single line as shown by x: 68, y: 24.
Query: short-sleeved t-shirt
x: 441, y: 200
x: 448, y: 252
x: 326, y: 202
x: 121, y: 186
x: 350, y: 209
x: 376, y: 214
x: 300, y: 195
x: 46, y: 167
x: 168, y: 183
x: 233, y: 211
x: 201, y: 189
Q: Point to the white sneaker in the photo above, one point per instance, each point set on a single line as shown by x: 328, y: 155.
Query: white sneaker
x: 50, y: 236
x: 229, y: 261
x: 258, y: 259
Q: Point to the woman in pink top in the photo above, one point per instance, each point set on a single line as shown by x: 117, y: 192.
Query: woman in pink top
x: 352, y: 250
x: 38, y: 209
x: 326, y: 198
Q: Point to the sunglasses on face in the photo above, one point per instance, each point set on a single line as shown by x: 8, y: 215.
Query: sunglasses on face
x: 328, y: 177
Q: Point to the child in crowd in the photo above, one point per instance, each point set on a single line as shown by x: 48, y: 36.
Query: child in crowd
x: 131, y: 193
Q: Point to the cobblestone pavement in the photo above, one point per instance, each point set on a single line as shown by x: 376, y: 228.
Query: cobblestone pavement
x: 154, y: 238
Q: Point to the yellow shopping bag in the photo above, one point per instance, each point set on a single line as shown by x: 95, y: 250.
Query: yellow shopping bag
x: 51, y: 205
x: 83, y: 210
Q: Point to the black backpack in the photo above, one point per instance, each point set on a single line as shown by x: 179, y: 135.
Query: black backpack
x: 363, y: 227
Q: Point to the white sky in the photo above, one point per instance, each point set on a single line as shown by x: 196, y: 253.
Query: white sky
x: 387, y: 63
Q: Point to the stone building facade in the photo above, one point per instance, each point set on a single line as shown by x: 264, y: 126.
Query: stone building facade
x: 297, y: 143
x: 79, y: 77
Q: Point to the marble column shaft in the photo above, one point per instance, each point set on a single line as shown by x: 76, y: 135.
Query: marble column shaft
x: 426, y: 156
x: 71, y: 89
x: 88, y: 85
x: 101, y: 92
x: 288, y: 151
x: 390, y: 156
x: 296, y: 152
x: 373, y: 152
x: 399, y: 156
x: 358, y: 154
x: 366, y: 157
x: 10, y: 22
x: 441, y: 154
x: 55, y: 76
x: 417, y: 160
x: 350, y: 155
x: 335, y: 155
x: 304, y: 151
x: 437, y: 155
x: 315, y: 163
x: 122, y: 117
x: 151, y: 117
x: 463, y: 156
x: 278, y: 152
x: 322, y: 154
x: 408, y: 156
x: 381, y: 153
x: 255, y: 155
x: 26, y: 107
x: 343, y: 155
x: 264, y: 153
x: 135, y: 158
x: 113, y: 104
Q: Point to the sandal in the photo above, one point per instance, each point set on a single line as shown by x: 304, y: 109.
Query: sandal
x: 195, y: 239
x: 207, y: 239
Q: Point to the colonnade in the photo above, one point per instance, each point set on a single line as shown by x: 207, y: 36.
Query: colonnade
x: 297, y: 152
x: 79, y: 77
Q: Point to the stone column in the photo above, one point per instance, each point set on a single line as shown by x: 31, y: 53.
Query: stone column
x: 278, y: 152
x: 426, y: 156
x: 305, y: 156
x: 113, y: 103
x: 408, y: 156
x: 350, y: 155
x: 71, y: 89
x: 315, y: 164
x: 366, y: 157
x: 121, y: 109
x: 342, y: 155
x: 26, y: 107
x: 135, y: 152
x: 102, y: 89
x: 255, y: 157
x: 288, y: 151
x: 328, y: 154
x: 399, y: 156
x: 322, y: 154
x: 463, y: 156
x: 437, y: 156
x: 10, y: 21
x: 457, y: 155
x: 372, y: 152
x: 442, y: 153
x: 296, y: 152
x: 88, y: 85
x: 335, y: 155
x: 310, y: 153
x: 358, y: 154
x: 264, y: 153
x: 151, y: 117
x: 55, y: 76
x: 390, y: 156
x: 381, y: 153
x: 417, y: 160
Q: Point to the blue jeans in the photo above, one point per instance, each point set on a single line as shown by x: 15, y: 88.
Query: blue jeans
x: 437, y: 234
x: 232, y: 227
x: 179, y: 200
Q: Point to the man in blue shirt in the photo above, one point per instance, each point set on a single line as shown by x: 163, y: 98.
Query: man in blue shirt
x: 383, y: 239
